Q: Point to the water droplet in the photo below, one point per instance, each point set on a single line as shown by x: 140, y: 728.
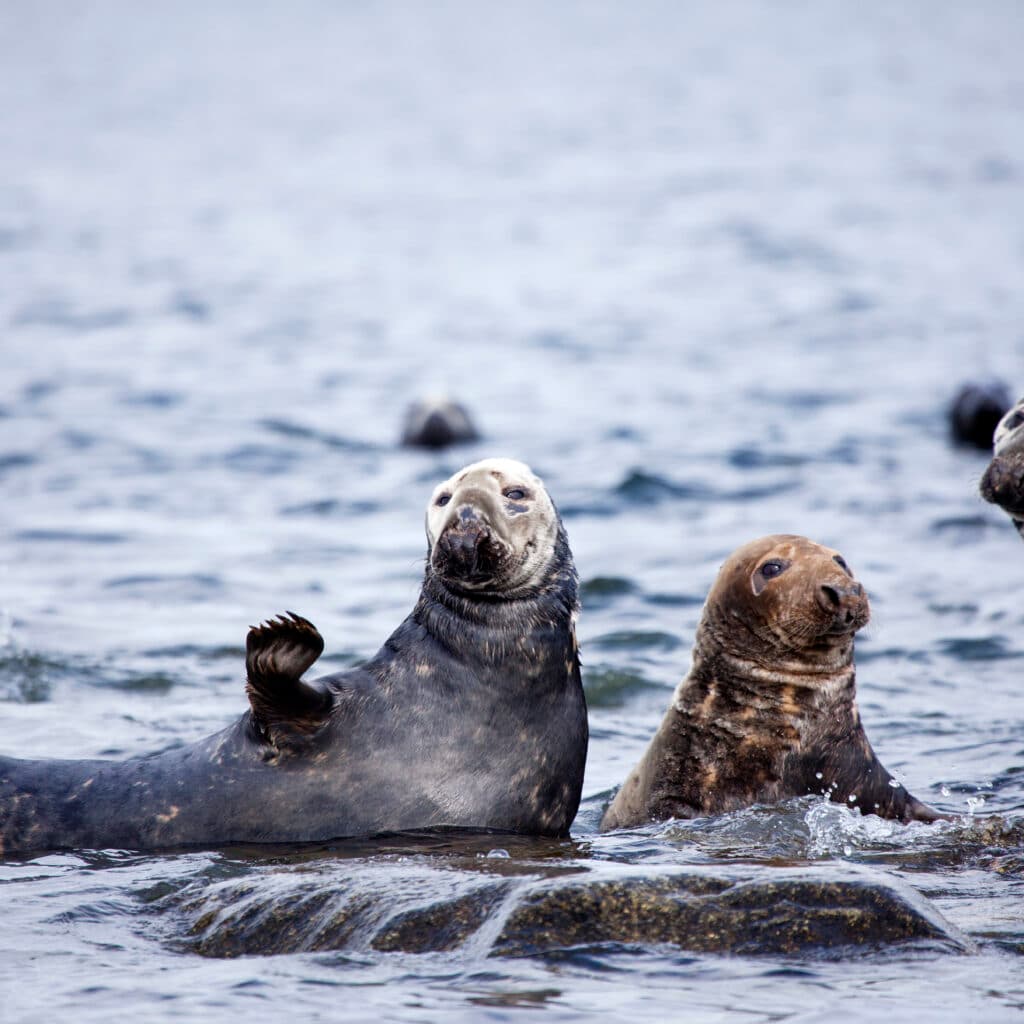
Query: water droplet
x: 974, y: 803
x: 852, y: 798
x: 944, y: 790
x: 847, y: 850
x: 499, y: 854
x: 818, y: 775
x: 894, y: 784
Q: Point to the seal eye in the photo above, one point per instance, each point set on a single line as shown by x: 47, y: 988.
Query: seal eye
x: 841, y: 562
x: 1014, y: 421
x: 515, y: 494
x: 770, y: 569
x: 443, y: 500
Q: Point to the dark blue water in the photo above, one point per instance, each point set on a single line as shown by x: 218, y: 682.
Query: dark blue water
x: 714, y: 271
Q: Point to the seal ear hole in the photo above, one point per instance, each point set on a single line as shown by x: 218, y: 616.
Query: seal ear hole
x: 443, y: 500
x: 841, y: 562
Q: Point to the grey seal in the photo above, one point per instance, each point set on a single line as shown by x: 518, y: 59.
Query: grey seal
x: 768, y: 709
x: 1002, y: 483
x: 437, y: 423
x: 471, y: 715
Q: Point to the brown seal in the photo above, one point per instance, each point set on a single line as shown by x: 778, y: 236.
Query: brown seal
x: 768, y: 710
x: 1003, y: 481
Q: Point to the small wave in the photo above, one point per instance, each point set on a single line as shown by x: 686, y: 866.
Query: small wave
x: 630, y: 639
x: 601, y: 591
x: 608, y: 687
x: 71, y: 536
x: 758, y: 458
x: 982, y: 648
x: 643, y: 488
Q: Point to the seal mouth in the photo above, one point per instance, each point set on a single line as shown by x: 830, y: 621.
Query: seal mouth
x: 1003, y: 483
x: 470, y: 554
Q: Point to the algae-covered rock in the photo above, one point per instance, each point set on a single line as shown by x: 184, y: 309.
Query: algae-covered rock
x: 792, y: 912
x: 533, y: 910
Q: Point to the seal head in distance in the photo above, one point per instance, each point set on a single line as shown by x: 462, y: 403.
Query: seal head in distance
x: 471, y: 715
x: 768, y: 710
x: 1003, y: 481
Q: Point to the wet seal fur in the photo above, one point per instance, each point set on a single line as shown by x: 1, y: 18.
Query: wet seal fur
x: 471, y: 715
x: 768, y: 710
x: 1003, y: 481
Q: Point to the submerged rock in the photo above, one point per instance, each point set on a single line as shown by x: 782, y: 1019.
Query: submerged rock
x: 518, y: 911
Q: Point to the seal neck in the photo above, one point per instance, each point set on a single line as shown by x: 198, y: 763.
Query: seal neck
x: 534, y: 622
x: 794, y: 682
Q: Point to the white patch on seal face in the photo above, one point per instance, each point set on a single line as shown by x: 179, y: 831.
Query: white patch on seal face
x: 515, y: 504
x: 1009, y: 435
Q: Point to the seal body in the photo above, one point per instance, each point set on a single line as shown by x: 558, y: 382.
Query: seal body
x: 768, y: 709
x: 1003, y: 481
x: 471, y: 715
x: 437, y: 423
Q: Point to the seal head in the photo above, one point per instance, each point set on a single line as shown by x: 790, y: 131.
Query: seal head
x: 492, y: 528
x: 768, y: 710
x: 437, y: 423
x: 1003, y: 481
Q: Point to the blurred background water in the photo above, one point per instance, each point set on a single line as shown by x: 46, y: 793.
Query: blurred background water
x: 713, y: 270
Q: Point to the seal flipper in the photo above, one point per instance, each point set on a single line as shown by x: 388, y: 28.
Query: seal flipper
x: 276, y: 654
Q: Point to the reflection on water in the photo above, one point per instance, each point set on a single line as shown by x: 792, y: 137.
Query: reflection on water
x: 715, y: 273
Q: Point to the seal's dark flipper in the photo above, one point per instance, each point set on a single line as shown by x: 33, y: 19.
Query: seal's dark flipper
x: 276, y: 654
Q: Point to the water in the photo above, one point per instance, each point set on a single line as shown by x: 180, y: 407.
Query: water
x: 713, y: 272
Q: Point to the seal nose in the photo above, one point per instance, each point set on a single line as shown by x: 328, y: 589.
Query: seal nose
x: 1003, y: 483
x: 846, y: 603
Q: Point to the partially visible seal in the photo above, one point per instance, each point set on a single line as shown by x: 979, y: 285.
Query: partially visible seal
x: 1003, y: 481
x: 472, y: 713
x: 768, y: 710
x: 437, y: 423
x: 975, y: 412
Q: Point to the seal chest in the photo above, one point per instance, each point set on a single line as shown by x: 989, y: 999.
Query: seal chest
x: 768, y: 709
x: 471, y: 714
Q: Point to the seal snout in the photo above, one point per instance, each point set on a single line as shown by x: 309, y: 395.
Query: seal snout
x: 846, y: 603
x: 468, y: 549
x: 1003, y: 483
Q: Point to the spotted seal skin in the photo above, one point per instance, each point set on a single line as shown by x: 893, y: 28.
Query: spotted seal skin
x: 1003, y: 481
x: 437, y: 423
x: 471, y: 715
x: 768, y: 710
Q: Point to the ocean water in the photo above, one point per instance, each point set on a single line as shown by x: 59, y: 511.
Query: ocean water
x: 714, y: 271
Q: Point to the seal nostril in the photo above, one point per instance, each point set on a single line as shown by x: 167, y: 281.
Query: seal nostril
x: 831, y: 593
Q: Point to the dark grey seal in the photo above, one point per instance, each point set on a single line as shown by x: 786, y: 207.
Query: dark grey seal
x: 976, y: 411
x: 471, y: 715
x: 1003, y: 481
x: 768, y: 710
x: 437, y: 423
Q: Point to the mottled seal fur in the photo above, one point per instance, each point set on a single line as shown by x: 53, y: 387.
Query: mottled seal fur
x: 471, y: 715
x: 1003, y: 481
x: 437, y: 423
x: 768, y: 710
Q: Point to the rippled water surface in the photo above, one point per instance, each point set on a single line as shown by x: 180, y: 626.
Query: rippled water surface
x: 714, y: 271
